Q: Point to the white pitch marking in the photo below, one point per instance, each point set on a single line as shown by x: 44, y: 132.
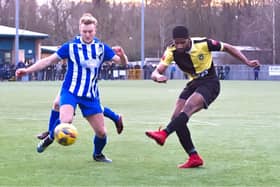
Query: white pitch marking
x: 197, y: 122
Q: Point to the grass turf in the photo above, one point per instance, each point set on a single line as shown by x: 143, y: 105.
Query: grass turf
x: 238, y: 137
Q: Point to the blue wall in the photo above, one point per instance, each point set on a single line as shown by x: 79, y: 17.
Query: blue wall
x: 27, y: 45
x: 6, y: 44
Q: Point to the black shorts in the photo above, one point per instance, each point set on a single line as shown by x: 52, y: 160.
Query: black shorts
x: 208, y: 88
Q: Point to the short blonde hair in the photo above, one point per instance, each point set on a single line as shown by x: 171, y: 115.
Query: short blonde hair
x: 87, y: 19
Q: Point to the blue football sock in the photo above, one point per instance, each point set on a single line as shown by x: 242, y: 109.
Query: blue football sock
x: 99, y: 144
x: 111, y: 114
x: 51, y: 131
x: 53, y: 117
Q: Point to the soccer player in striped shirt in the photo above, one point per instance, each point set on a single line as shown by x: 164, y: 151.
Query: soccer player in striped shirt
x: 84, y: 55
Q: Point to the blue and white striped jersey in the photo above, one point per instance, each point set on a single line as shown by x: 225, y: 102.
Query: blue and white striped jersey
x: 84, y: 62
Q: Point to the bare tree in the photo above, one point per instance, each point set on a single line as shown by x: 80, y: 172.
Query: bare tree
x: 7, y: 12
x: 28, y: 9
x: 241, y: 22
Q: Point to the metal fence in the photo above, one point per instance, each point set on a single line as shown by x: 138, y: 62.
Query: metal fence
x: 238, y: 72
x: 225, y: 72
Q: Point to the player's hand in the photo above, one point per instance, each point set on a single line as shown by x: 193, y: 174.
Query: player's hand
x: 118, y: 50
x: 253, y: 63
x: 161, y: 79
x: 120, y: 53
x: 21, y: 72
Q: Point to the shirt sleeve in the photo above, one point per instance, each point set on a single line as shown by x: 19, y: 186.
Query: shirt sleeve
x: 214, y: 45
x: 108, y: 53
x: 63, y: 51
x: 167, y: 57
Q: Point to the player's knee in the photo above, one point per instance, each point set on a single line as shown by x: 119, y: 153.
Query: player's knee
x: 100, y: 133
x: 56, y: 105
x: 191, y: 105
x: 175, y: 114
x: 66, y: 119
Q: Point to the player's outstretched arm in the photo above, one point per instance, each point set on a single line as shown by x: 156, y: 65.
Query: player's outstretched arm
x: 240, y: 56
x: 39, y: 65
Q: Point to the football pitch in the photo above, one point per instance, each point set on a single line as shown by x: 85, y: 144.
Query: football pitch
x: 238, y: 137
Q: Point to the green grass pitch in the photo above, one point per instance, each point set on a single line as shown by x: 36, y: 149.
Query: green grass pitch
x: 238, y: 137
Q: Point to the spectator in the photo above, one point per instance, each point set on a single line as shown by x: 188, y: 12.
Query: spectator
x: 256, y: 72
x: 227, y: 70
x: 19, y: 65
x: 172, y: 71
x: 58, y: 70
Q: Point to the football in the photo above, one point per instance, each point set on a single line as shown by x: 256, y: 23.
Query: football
x: 65, y: 134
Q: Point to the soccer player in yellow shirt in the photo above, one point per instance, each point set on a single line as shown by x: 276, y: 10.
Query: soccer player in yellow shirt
x: 193, y: 57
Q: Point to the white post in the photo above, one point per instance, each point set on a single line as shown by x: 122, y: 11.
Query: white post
x: 273, y: 34
x: 142, y: 34
x: 17, y: 35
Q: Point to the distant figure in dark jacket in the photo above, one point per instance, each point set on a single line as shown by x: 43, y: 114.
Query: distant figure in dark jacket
x: 256, y: 72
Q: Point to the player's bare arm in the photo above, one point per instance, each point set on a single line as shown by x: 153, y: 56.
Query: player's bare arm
x: 157, y: 74
x: 240, y: 56
x: 39, y: 65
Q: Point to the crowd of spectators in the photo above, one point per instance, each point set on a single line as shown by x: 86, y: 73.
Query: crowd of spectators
x: 223, y: 72
x: 109, y: 71
x: 54, y: 72
x: 7, y: 71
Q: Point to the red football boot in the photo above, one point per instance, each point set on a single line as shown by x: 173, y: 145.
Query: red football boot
x: 194, y: 161
x: 159, y: 136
